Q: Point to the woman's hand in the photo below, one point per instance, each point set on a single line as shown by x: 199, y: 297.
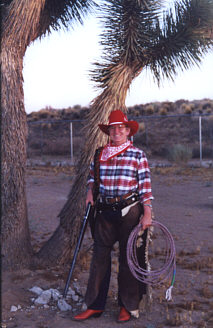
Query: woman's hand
x: 146, y: 219
x: 89, y: 197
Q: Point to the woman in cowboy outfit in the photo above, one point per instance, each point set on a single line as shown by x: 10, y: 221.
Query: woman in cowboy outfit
x: 124, y: 200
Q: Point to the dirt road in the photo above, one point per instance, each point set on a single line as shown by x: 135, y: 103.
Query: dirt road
x: 183, y: 202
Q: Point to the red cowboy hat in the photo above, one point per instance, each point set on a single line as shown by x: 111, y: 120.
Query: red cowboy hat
x: 118, y: 117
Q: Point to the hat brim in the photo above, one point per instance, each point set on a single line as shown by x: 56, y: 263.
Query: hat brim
x: 133, y: 125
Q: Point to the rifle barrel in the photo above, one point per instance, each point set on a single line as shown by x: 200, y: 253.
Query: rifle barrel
x: 77, y: 248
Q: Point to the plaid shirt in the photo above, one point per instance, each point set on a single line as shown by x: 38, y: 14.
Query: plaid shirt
x: 124, y: 173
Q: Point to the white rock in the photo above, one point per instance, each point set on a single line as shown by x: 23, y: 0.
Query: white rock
x: 37, y: 290
x: 75, y: 298
x: 68, y: 297
x: 207, y: 164
x: 44, y: 298
x: 46, y: 306
x: 13, y: 308
x: 63, y: 305
x: 70, y: 291
x: 84, y: 307
x: 79, y: 304
x: 55, y: 294
x: 135, y: 313
x: 77, y: 287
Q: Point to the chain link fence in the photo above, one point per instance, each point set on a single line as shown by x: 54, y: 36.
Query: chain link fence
x: 62, y: 140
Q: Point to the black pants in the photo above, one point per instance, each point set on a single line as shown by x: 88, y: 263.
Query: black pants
x: 111, y: 227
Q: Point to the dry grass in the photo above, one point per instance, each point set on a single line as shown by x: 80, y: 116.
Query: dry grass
x: 204, y: 263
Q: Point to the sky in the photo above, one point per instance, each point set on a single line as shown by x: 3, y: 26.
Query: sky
x: 56, y: 73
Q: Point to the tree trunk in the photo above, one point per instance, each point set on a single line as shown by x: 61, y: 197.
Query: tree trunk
x: 19, y: 28
x: 113, y: 97
x: 16, y: 247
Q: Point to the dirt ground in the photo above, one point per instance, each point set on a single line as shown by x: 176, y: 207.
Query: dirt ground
x: 183, y: 203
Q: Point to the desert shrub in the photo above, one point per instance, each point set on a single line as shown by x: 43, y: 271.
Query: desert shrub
x: 188, y: 110
x: 179, y: 153
x: 207, y: 105
x: 178, y: 103
x: 68, y: 110
x: 150, y: 109
x: 33, y: 117
x: 44, y: 113
x: 163, y: 111
x: 209, y: 110
x: 169, y: 106
x: 77, y: 107
x: 192, y: 106
x: 136, y: 112
x: 183, y: 106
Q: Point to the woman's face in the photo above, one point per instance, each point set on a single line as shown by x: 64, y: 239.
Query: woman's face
x: 118, y: 134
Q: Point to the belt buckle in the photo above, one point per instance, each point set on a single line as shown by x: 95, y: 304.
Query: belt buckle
x: 130, y: 196
x: 134, y: 196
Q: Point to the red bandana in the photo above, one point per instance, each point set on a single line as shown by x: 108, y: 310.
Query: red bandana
x: 110, y: 151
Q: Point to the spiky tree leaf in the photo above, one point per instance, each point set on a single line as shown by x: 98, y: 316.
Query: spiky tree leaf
x: 55, y: 14
x: 58, y: 13
x: 142, y: 34
x: 127, y: 26
x: 183, y: 39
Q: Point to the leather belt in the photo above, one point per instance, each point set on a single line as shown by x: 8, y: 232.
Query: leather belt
x: 126, y: 199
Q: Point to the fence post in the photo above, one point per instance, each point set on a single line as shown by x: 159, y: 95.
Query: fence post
x: 42, y: 140
x: 71, y: 143
x: 200, y: 138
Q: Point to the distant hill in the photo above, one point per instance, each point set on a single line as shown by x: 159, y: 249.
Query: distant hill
x: 162, y: 125
x: 204, y: 106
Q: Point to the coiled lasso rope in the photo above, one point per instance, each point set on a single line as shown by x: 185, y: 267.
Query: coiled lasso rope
x: 154, y: 277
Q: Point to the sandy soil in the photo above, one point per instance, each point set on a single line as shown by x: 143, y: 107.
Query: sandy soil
x: 183, y: 203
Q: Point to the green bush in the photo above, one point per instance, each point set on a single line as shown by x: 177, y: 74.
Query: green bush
x: 179, y: 153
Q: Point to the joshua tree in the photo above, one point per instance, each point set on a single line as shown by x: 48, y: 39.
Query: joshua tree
x: 22, y: 22
x: 138, y: 34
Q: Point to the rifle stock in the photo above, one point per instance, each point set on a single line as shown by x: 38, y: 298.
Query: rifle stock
x: 77, y: 248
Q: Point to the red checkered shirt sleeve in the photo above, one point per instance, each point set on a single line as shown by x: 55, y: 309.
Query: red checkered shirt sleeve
x: 90, y: 179
x: 144, y: 179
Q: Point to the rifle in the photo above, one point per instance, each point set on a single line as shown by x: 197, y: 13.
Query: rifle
x: 80, y: 238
